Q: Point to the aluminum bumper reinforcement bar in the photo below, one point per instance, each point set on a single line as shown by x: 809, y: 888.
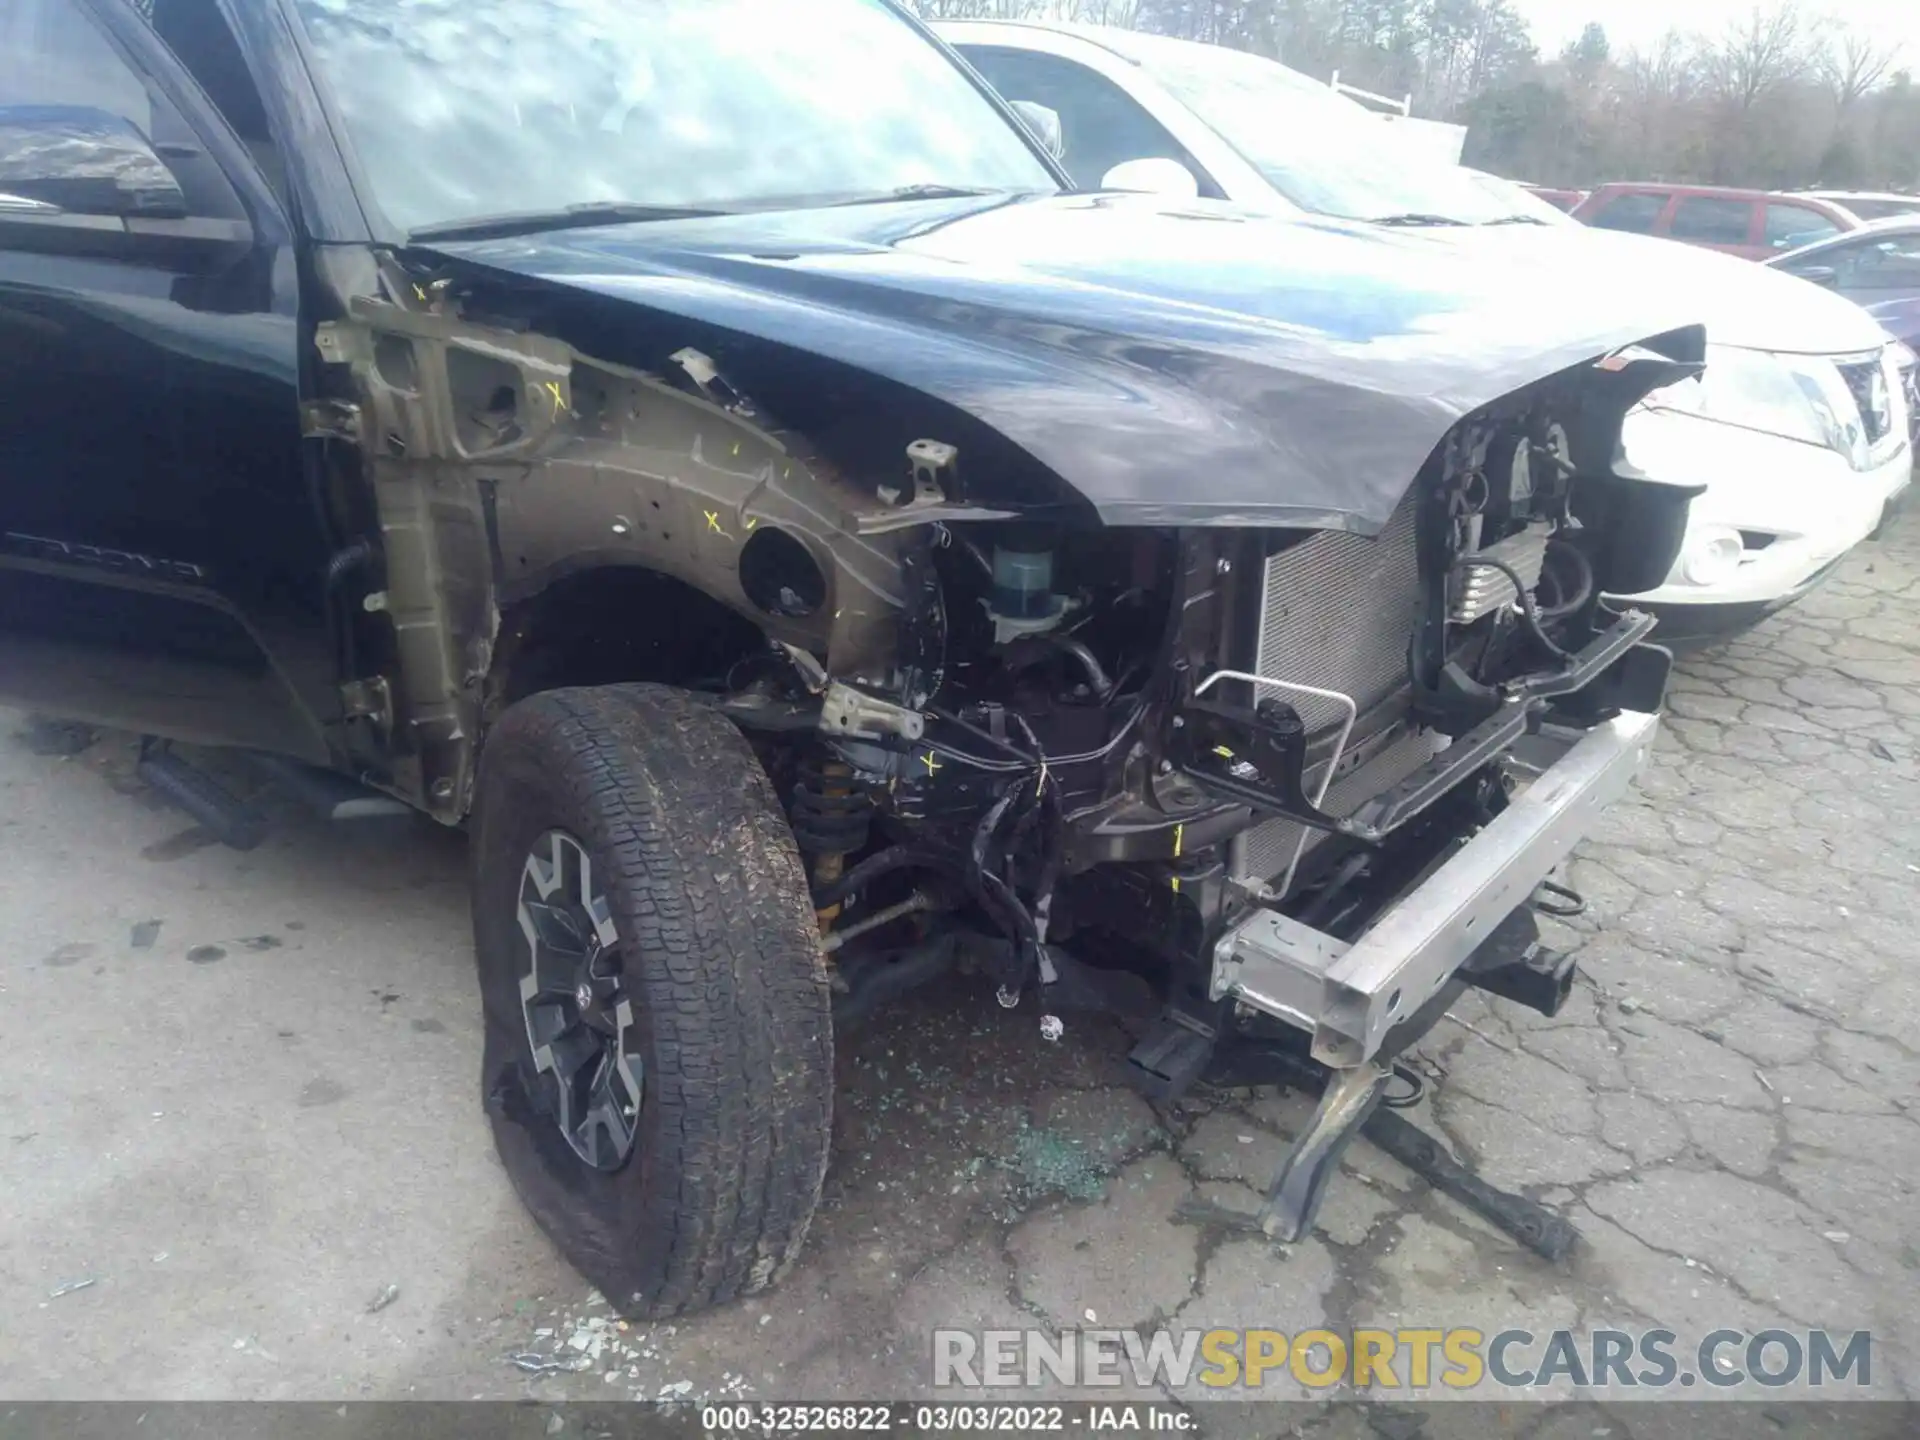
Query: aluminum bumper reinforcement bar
x: 1349, y: 996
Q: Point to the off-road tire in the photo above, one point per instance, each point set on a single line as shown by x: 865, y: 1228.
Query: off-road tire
x: 722, y: 956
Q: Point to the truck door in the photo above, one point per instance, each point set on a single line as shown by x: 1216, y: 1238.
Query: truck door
x: 161, y: 561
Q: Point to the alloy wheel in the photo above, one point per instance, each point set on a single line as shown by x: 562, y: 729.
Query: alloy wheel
x: 579, y: 1010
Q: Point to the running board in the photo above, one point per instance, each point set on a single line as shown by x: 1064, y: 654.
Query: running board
x: 221, y: 813
x: 236, y: 823
x: 327, y: 793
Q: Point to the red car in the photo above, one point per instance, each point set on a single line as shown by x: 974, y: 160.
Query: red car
x: 1756, y: 224
x: 1559, y: 199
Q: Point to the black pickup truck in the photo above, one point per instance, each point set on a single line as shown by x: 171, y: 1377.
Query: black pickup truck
x: 708, y: 450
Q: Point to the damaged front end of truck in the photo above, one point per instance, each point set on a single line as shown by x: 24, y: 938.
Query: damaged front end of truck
x: 1276, y: 741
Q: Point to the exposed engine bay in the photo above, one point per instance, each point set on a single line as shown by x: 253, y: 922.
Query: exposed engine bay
x: 1097, y: 749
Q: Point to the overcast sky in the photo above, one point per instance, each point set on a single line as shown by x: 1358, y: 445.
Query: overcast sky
x: 1639, y: 22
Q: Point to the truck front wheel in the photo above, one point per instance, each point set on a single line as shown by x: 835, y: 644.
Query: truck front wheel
x: 659, y: 1047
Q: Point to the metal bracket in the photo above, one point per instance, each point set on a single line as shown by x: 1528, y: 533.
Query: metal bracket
x: 1278, y: 966
x: 714, y: 387
x: 1293, y: 1197
x: 1478, y: 748
x: 935, y: 469
x: 330, y: 420
x: 1258, y: 757
x: 1344, y: 1107
x: 369, y: 699
x: 859, y: 716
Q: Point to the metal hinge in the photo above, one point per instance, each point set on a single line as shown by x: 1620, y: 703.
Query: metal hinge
x: 369, y: 699
x: 330, y: 420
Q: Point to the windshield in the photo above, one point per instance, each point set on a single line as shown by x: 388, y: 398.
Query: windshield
x: 1879, y: 208
x: 1320, y: 150
x: 459, y: 109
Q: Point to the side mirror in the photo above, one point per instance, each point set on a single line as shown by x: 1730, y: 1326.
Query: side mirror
x: 1153, y: 177
x: 1825, y: 275
x: 77, y: 160
x: 1045, y: 125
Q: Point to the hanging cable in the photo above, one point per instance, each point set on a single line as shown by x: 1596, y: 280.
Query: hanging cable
x: 1565, y: 602
x: 1528, y: 609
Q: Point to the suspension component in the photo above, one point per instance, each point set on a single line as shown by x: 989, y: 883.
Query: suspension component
x: 831, y: 820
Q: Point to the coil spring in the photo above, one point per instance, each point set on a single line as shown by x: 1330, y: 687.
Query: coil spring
x: 830, y: 816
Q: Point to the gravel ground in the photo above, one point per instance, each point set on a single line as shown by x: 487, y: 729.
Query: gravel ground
x: 238, y: 1094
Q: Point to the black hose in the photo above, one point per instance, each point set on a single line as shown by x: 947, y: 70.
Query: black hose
x: 1527, y: 608
x: 346, y: 561
x: 1049, y: 812
x: 1565, y: 604
x: 1052, y: 857
x: 1089, y: 662
x: 1416, y: 1089
x: 994, y: 894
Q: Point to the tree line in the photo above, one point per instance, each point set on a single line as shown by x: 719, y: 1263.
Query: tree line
x: 1786, y: 96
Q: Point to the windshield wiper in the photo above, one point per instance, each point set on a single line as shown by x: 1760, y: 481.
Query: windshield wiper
x: 1415, y: 217
x: 532, y: 222
x: 1517, y: 220
x: 921, y: 192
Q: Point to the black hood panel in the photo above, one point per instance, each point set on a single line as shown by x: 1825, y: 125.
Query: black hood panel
x: 1175, y: 365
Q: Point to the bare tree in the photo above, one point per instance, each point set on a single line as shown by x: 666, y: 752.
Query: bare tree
x: 1759, y: 54
x: 981, y: 9
x: 1122, y: 13
x: 1854, y: 62
x: 1785, y: 95
x: 1668, y: 72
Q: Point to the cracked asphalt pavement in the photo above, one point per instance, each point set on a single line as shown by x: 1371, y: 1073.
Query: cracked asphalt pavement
x: 240, y: 1096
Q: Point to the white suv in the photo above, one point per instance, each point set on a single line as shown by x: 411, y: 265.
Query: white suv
x: 1798, y: 430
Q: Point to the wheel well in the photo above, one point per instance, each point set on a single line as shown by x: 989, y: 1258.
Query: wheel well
x: 609, y: 626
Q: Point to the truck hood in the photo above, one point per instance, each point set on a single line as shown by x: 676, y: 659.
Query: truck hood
x: 1174, y: 363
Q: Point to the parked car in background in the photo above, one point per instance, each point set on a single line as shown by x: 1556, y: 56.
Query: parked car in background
x: 1907, y: 317
x: 1558, y: 198
x: 1242, y: 127
x: 1798, y: 459
x: 1875, y: 267
x: 1524, y: 199
x: 1754, y: 224
x: 1878, y: 268
x: 1869, y: 205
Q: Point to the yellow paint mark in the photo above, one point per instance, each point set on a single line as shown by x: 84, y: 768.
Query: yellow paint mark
x: 934, y: 767
x: 421, y: 292
x: 1176, y: 884
x: 736, y: 447
x: 552, y: 387
x: 1179, y: 839
x: 1223, y: 752
x: 753, y: 522
x: 713, y: 523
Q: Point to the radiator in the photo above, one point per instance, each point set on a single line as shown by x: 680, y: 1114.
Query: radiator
x: 1338, y: 614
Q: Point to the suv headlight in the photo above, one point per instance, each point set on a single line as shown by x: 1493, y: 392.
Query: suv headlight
x: 1800, y: 397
